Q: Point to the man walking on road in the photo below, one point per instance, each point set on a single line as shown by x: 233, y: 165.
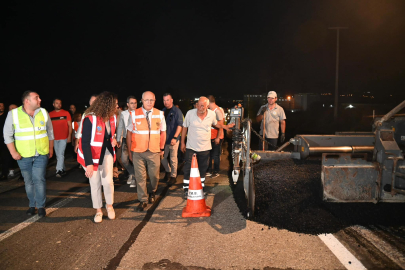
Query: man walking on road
x: 62, y: 129
x: 28, y: 134
x: 274, y: 117
x: 217, y: 137
x: 197, y: 127
x: 125, y: 120
x: 174, y: 123
x: 146, y: 137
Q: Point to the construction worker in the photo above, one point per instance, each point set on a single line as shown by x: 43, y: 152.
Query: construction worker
x: 274, y: 117
x: 217, y: 137
x: 124, y: 121
x: 62, y: 129
x: 174, y: 123
x: 197, y: 127
x: 28, y: 134
x: 146, y: 138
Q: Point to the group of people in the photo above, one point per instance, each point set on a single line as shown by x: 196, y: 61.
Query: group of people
x: 144, y: 138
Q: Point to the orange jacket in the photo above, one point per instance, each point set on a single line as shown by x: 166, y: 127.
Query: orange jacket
x: 143, y: 138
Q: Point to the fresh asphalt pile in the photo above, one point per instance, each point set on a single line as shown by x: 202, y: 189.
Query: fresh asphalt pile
x: 289, y: 196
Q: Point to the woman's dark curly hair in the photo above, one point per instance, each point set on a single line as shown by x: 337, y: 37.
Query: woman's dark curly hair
x: 104, y: 106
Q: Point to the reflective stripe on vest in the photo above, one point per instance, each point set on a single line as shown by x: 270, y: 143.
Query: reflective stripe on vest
x: 29, y: 138
x: 144, y: 139
x: 96, y: 141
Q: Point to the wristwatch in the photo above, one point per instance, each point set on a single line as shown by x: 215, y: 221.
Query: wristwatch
x: 175, y: 138
x: 162, y: 149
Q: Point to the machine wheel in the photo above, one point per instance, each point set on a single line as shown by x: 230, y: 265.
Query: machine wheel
x: 251, y: 196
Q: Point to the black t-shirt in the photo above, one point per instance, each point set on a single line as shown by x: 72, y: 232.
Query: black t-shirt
x: 2, y: 121
x: 167, y: 112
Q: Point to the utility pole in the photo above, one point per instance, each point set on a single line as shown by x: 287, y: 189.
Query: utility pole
x: 337, y: 69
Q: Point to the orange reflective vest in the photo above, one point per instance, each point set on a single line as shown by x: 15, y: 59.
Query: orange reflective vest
x: 97, y: 138
x: 144, y: 139
x: 214, y: 130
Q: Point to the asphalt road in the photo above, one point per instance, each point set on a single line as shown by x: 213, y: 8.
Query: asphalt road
x: 160, y: 238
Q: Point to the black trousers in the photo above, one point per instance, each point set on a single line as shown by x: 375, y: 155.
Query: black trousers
x: 272, y: 144
x: 202, y: 159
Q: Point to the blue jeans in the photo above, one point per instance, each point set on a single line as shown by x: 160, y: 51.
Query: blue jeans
x: 214, y: 155
x: 60, y: 147
x: 33, y: 170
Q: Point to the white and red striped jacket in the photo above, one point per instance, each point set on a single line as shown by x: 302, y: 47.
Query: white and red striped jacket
x: 97, y: 138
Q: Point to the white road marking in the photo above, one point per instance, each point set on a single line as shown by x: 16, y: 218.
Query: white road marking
x: 344, y: 256
x: 49, y: 210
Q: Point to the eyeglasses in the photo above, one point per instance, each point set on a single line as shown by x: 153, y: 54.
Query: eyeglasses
x: 148, y: 100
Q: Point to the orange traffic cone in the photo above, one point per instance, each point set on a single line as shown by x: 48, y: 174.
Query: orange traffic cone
x: 196, y: 206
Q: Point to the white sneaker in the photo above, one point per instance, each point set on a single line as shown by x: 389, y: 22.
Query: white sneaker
x: 111, y: 212
x: 98, y: 217
x: 11, y: 173
x: 129, y: 181
x: 133, y: 184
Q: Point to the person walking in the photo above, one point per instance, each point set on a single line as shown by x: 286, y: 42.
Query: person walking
x: 174, y: 125
x: 62, y: 129
x: 146, y: 137
x: 28, y: 134
x: 122, y: 139
x: 273, y: 117
x: 197, y: 127
x: 96, y: 151
x: 217, y: 137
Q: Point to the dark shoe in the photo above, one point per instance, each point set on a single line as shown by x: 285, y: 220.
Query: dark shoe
x: 31, y: 211
x: 141, y: 206
x: 167, y: 177
x: 151, y: 198
x: 214, y: 175
x: 41, y: 212
x: 171, y: 181
x: 58, y: 174
x: 63, y: 172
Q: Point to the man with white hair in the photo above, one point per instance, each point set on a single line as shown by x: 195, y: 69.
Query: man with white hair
x: 197, y: 126
x: 146, y: 138
x: 274, y: 118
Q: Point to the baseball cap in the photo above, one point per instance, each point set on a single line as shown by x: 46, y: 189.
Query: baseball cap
x: 272, y: 94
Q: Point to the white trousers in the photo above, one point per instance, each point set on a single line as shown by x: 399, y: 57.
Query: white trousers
x: 172, y: 150
x: 103, y: 176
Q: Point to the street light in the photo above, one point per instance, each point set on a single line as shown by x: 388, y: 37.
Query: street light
x: 337, y: 68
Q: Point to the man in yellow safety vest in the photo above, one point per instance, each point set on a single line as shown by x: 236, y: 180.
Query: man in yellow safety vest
x: 28, y: 134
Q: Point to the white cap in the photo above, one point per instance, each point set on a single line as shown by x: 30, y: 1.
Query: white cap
x: 272, y: 94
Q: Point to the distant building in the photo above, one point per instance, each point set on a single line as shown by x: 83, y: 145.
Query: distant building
x: 304, y: 101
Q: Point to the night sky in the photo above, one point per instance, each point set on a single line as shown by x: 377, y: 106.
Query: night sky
x: 71, y: 49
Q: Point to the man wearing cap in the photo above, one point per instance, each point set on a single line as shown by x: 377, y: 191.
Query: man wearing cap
x: 274, y: 118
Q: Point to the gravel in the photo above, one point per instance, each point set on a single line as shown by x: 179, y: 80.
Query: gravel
x: 289, y: 196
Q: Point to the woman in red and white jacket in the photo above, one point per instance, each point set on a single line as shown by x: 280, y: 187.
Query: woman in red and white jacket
x: 96, y: 151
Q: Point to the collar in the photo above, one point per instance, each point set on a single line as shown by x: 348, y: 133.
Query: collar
x: 144, y: 111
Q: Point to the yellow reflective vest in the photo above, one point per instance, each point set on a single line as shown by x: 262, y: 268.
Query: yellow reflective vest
x: 29, y: 138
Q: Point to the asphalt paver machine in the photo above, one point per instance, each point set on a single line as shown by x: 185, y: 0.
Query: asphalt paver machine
x: 356, y: 167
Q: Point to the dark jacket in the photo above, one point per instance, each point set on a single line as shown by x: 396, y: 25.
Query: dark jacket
x: 173, y: 120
